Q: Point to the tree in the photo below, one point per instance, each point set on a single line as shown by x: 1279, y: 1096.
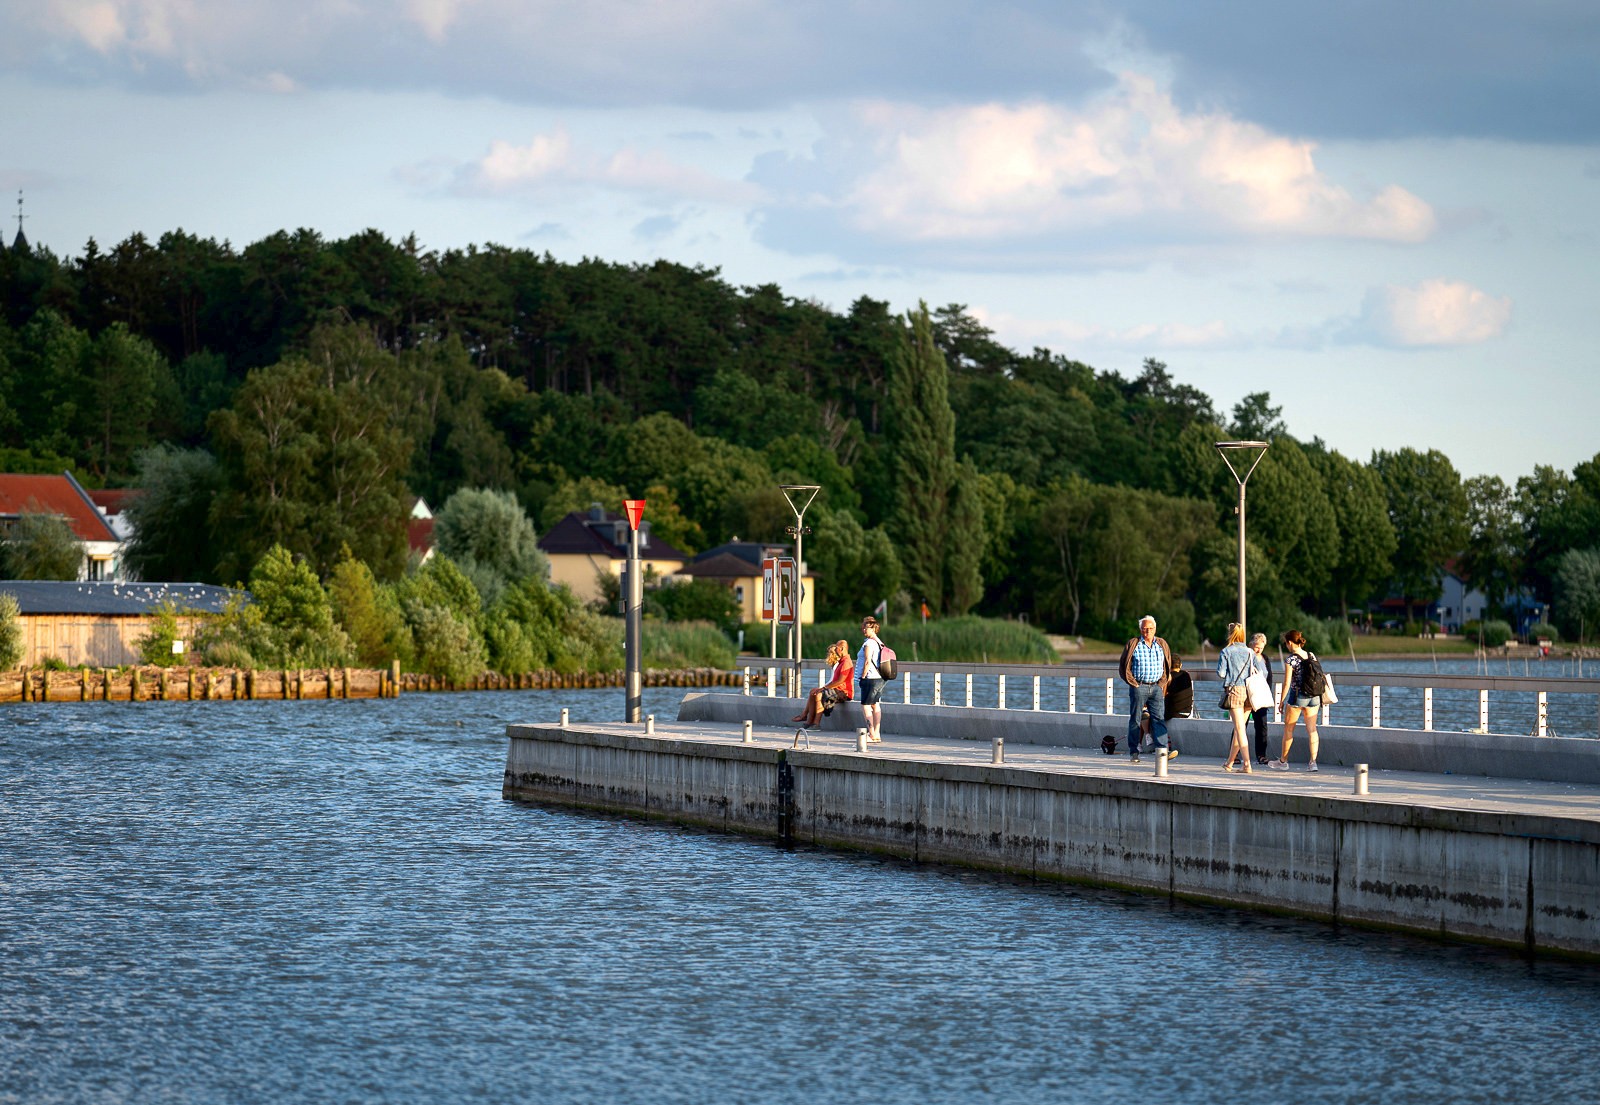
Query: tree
x: 1366, y: 541
x: 490, y: 538
x: 935, y: 535
x: 127, y: 384
x: 1256, y: 419
x: 1577, y: 592
x: 40, y: 546
x: 1429, y: 511
x: 1492, y: 559
x: 856, y: 567
x: 370, y: 615
x: 11, y: 642
x: 170, y: 516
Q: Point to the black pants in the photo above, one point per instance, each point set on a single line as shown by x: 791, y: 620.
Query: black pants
x: 1262, y: 717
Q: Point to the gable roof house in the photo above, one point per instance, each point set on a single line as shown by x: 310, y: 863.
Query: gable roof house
x: 737, y: 565
x: 64, y: 497
x: 583, y: 548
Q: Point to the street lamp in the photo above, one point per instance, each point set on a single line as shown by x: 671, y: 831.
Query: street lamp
x: 799, y: 496
x: 1225, y: 448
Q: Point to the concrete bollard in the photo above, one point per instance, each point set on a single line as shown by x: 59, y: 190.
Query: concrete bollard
x: 1361, y: 779
x: 999, y: 751
x: 564, y: 717
x: 649, y: 724
x: 749, y: 732
x: 861, y: 740
x: 1161, y: 763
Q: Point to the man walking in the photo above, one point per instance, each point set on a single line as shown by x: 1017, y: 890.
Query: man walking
x: 1146, y: 667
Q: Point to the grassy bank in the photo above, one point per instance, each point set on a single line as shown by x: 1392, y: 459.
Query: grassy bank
x: 946, y: 640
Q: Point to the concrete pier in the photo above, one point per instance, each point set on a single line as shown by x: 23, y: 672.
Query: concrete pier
x: 1505, y: 861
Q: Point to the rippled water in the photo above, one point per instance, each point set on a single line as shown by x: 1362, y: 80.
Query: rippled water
x: 330, y: 902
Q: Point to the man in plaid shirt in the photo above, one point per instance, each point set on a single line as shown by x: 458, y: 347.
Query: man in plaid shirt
x: 1146, y: 668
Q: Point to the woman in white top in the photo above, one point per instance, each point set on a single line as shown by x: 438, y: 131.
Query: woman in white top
x: 869, y: 683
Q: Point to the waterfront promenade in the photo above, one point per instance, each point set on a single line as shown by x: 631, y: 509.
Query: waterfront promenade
x: 1513, y: 861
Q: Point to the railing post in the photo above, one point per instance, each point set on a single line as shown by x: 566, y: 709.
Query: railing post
x: 969, y: 690
x: 1110, y: 707
x: 1036, y: 693
x: 1427, y: 709
x: 1377, y: 709
x: 905, y: 690
x: 822, y: 678
x: 1072, y: 694
x: 1544, y: 714
x: 1483, y: 709
x: 746, y: 691
x: 1277, y: 704
x: 938, y: 688
x: 1002, y: 705
x: 772, y: 682
x: 1327, y: 712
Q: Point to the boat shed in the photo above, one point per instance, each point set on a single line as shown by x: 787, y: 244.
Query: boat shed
x: 99, y: 624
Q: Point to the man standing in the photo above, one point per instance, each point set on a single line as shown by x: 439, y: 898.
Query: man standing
x: 1146, y: 667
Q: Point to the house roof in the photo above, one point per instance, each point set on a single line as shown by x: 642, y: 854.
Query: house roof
x: 113, y: 500
x: 59, y: 495
x: 721, y: 566
x: 602, y: 533
x: 419, y: 534
x: 37, y: 596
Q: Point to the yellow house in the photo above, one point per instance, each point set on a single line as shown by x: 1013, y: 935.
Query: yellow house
x: 737, y: 566
x: 583, y: 548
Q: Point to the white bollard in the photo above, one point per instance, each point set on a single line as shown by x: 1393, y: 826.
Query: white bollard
x: 1361, y: 779
x: 749, y: 734
x: 747, y: 682
x: 1161, y: 763
x: 649, y: 724
x: 861, y: 740
x: 999, y: 756
x: 563, y: 717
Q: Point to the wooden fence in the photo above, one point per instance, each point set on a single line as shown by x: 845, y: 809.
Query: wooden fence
x: 190, y: 684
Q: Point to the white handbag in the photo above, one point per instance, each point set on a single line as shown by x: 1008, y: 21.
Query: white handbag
x: 1257, y: 691
x: 1328, y: 696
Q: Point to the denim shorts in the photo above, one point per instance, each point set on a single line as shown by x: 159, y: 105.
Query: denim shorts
x: 1305, y: 702
x: 871, y: 691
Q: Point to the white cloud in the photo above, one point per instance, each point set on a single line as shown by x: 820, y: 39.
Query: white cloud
x: 1432, y: 313
x: 1152, y: 337
x: 553, y: 162
x: 975, y: 173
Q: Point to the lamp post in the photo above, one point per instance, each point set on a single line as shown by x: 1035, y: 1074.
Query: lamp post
x: 799, y: 496
x: 1225, y: 448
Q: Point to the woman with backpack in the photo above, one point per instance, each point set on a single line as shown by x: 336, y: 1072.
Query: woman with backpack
x: 869, y: 680
x: 1303, y: 677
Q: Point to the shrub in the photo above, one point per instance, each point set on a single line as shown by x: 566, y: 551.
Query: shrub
x: 699, y: 600
x: 446, y: 645
x: 1542, y: 629
x: 686, y: 645
x: 155, y: 647
x: 370, y: 615
x: 11, y: 646
x: 225, y: 654
x: 1495, y: 633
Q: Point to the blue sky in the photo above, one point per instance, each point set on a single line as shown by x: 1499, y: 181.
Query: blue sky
x: 1388, y: 216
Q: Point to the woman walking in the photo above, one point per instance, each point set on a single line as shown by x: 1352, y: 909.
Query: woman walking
x: 823, y: 699
x: 1296, y: 701
x: 1234, y: 666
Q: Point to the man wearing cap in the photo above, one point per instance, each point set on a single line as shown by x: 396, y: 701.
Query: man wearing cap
x: 1146, y: 668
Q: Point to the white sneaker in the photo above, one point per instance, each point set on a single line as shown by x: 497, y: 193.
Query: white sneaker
x: 1278, y: 765
x: 1312, y: 766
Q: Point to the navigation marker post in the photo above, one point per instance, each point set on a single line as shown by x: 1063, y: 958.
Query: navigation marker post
x: 633, y: 591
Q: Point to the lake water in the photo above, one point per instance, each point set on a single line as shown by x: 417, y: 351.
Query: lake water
x: 330, y: 902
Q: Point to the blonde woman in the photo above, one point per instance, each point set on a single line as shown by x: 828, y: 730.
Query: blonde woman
x: 1233, y: 668
x: 838, y: 688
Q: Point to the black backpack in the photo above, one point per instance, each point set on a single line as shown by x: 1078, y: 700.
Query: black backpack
x: 1312, y: 682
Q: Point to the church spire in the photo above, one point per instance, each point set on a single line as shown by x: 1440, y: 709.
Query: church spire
x: 20, y: 244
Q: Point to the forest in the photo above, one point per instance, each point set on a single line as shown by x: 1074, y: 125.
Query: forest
x: 297, y: 393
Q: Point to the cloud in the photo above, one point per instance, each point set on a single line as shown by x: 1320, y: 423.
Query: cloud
x: 996, y: 184
x: 1431, y: 314
x: 554, y: 163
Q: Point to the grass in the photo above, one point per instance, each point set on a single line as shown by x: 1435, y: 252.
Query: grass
x: 1378, y: 644
x: 946, y: 640
x: 673, y: 645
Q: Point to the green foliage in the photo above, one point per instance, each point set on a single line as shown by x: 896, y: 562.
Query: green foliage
x: 490, y: 538
x: 155, y: 647
x: 856, y: 568
x: 1544, y: 631
x: 370, y: 615
x: 171, y: 515
x: 446, y: 645
x: 692, y: 644
x: 699, y: 600
x: 1429, y: 510
x: 11, y: 644
x: 1494, y: 633
x: 40, y: 546
x: 287, y: 623
x: 951, y: 640
x: 1577, y: 593
x: 1175, y: 619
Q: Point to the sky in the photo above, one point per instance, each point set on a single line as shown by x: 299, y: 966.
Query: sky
x: 1385, y: 215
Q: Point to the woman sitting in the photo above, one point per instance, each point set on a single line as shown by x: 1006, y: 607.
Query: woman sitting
x: 839, y: 687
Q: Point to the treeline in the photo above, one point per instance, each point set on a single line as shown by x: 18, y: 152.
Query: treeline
x: 297, y: 392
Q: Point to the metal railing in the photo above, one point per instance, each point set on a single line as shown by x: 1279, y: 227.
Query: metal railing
x: 1095, y: 688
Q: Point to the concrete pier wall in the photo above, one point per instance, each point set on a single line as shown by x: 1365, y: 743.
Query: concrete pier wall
x: 1519, y: 880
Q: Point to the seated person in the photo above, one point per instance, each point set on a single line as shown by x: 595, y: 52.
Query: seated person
x: 839, y: 688
x: 1180, y: 697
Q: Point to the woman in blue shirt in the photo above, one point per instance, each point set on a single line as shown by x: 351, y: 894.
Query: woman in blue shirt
x: 1233, y: 668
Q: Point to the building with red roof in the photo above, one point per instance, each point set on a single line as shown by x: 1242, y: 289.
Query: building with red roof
x: 65, y: 498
